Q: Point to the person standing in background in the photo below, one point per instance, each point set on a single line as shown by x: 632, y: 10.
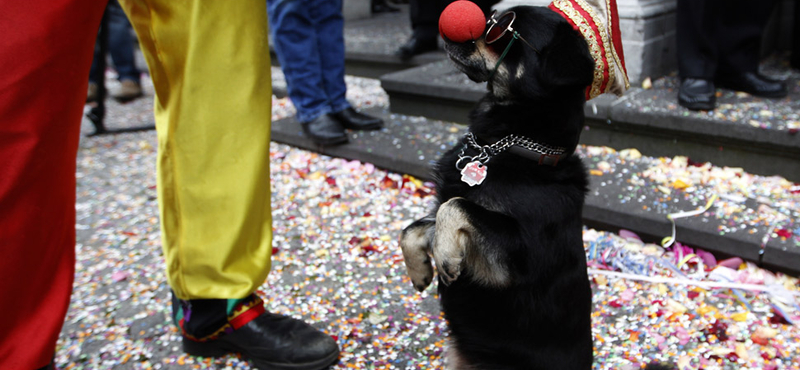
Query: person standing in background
x: 120, y: 46
x: 424, y: 15
x: 719, y: 45
x: 308, y: 37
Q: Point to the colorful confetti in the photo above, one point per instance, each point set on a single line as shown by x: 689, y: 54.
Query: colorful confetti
x: 337, y: 265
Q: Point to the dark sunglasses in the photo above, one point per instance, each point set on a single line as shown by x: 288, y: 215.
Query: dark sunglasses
x: 499, y: 27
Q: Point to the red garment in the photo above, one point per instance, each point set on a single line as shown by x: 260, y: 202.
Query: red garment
x: 45, y: 52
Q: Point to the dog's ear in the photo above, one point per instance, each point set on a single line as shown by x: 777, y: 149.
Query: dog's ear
x: 566, y: 60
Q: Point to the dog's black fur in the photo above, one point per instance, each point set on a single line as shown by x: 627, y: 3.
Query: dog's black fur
x: 509, y: 252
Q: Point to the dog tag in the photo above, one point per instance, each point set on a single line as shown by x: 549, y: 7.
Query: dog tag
x: 473, y: 173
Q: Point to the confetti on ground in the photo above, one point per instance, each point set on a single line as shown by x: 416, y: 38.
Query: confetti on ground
x: 336, y: 264
x: 733, y: 108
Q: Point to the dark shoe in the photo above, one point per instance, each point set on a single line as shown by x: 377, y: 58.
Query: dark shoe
x: 380, y: 6
x: 325, y: 130
x: 351, y: 119
x: 129, y: 90
x: 417, y: 45
x: 272, y: 341
x: 696, y: 94
x: 754, y: 84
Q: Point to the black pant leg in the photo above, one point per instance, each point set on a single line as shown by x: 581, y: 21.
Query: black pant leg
x: 740, y: 26
x: 424, y: 16
x: 795, y: 60
x: 695, y: 33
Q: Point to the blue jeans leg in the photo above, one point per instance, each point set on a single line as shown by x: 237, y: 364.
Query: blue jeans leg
x: 303, y: 53
x: 120, y: 43
x: 120, y: 46
x: 329, y: 21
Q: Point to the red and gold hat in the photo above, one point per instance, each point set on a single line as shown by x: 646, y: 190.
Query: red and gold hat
x: 598, y: 22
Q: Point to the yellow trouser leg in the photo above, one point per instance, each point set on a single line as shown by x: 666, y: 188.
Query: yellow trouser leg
x: 209, y: 61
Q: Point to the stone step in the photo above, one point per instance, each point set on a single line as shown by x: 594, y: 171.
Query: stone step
x: 759, y: 135
x: 621, y: 196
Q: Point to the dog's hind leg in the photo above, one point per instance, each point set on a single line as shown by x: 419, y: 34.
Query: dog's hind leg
x: 416, y: 245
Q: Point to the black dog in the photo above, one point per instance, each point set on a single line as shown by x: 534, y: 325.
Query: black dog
x: 509, y: 251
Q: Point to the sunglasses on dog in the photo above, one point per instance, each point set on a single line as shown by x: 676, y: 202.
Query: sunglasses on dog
x: 499, y: 27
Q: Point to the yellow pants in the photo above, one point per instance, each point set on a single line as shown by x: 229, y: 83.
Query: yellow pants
x: 209, y: 61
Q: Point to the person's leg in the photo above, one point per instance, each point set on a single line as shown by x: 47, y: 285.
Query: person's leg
x: 740, y: 27
x: 120, y: 44
x: 424, y: 18
x: 697, y: 53
x: 296, y: 46
x: 120, y: 47
x: 95, y: 74
x: 696, y: 39
x: 209, y: 62
x: 326, y: 15
x: 795, y: 58
x: 213, y: 109
x: 47, y: 50
x: 328, y: 22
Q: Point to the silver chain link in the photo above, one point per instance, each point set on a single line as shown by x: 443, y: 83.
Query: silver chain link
x: 488, y: 151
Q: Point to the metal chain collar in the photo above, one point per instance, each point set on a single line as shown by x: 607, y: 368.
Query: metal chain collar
x: 486, y: 152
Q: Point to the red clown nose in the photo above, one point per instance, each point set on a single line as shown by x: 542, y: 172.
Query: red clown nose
x: 462, y: 21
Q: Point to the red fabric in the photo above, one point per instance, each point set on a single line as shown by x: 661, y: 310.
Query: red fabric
x: 44, y: 65
x: 604, y: 58
x: 597, y: 41
x: 616, y: 35
x: 247, y: 316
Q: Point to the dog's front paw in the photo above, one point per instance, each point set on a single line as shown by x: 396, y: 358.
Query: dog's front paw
x: 451, y: 240
x: 415, y: 243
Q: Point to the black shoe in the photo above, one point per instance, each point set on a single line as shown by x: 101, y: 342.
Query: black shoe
x: 324, y: 130
x: 272, y: 341
x: 380, y: 6
x: 696, y: 94
x: 416, y: 45
x: 754, y: 84
x: 353, y: 120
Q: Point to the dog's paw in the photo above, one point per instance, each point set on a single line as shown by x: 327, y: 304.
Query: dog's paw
x: 451, y: 240
x: 415, y: 243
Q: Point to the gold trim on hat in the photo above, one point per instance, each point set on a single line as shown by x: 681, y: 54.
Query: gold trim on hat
x: 602, y: 28
x: 588, y: 34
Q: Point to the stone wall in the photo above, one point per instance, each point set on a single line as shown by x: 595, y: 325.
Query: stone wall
x: 357, y: 9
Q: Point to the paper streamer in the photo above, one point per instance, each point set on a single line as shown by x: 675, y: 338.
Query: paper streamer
x: 668, y: 241
x: 777, y: 294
